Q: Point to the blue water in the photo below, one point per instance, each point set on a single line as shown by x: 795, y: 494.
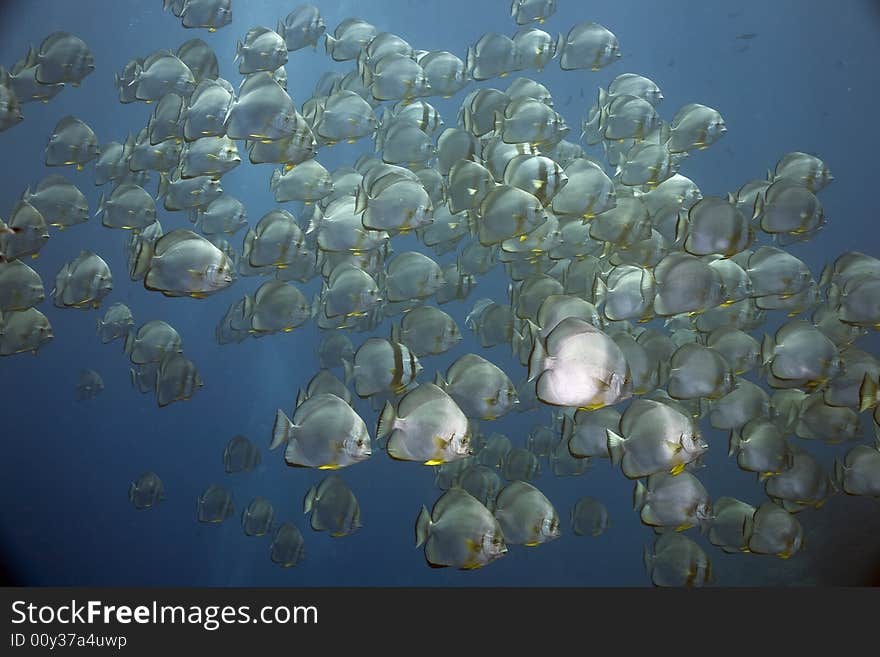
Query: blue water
x: 807, y: 81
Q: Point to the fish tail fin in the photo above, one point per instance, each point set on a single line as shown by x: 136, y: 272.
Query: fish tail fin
x: 273, y: 181
x: 537, y: 359
x: 616, y: 447
x: 439, y: 381
x: 360, y: 200
x: 868, y: 393
x: 648, y: 560
x: 600, y: 291
x: 101, y: 204
x: 833, y: 296
x: 839, y: 474
x: 281, y: 429
x: 516, y: 341
x: 300, y: 398
x: 348, y: 367
x: 141, y: 261
x: 560, y: 42
x: 758, y: 207
x: 329, y: 43
x: 498, y: 122
x: 316, y: 305
x: 128, y: 146
x: 768, y: 346
x: 395, y: 333
x: 128, y: 345
x: 386, y: 421
x: 470, y: 61
x: 164, y: 183
x: 705, y: 406
x: 238, y: 49
x: 314, y: 222
x: 382, y: 125
x: 735, y: 442
x: 640, y: 494
x: 310, y: 499
x: 568, y: 426
x: 825, y: 277
x: 367, y: 75
x: 423, y: 526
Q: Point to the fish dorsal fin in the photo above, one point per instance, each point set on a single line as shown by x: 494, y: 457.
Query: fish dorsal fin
x: 511, y: 492
x: 175, y: 237
x: 52, y: 39
x: 267, y: 288
x: 636, y: 410
x: 52, y: 180
x: 567, y: 328
x: 68, y: 122
x: 424, y: 394
x: 156, y: 56
x: 258, y: 83
x: 256, y: 32
x: 452, y: 498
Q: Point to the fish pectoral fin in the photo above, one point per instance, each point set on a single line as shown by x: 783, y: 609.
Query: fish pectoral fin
x: 473, y: 548
x: 677, y: 470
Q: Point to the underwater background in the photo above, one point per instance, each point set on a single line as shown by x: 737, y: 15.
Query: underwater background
x: 806, y: 80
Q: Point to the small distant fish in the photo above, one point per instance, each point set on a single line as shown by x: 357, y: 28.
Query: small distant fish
x: 215, y: 504
x: 147, y: 491
x: 526, y: 516
x: 747, y: 35
x: 334, y: 507
x: 459, y: 532
x: 89, y: 386
x: 589, y: 517
x: 240, y: 455
x: 288, y: 545
x: 256, y: 519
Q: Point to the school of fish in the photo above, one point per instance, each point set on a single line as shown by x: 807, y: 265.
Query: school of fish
x: 635, y: 308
